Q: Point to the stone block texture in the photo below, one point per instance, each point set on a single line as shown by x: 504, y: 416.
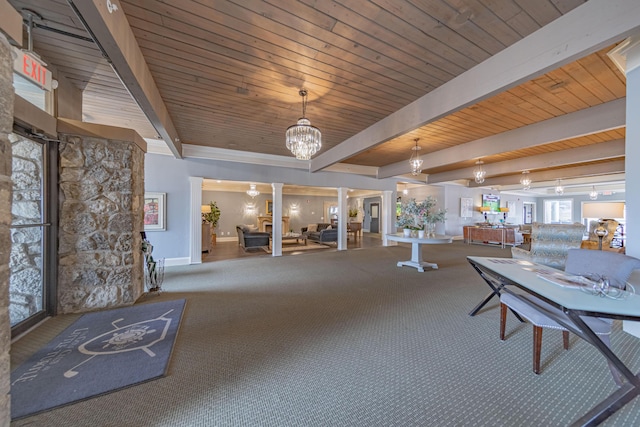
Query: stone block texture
x: 100, y: 220
x: 6, y: 124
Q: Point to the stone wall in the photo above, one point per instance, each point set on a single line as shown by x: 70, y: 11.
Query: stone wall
x: 100, y: 219
x: 6, y: 124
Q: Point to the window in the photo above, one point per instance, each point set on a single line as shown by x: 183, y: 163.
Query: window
x: 558, y: 211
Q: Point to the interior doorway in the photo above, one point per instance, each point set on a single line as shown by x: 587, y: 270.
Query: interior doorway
x: 528, y: 212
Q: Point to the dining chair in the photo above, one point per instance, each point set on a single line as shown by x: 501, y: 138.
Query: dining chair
x: 614, y: 266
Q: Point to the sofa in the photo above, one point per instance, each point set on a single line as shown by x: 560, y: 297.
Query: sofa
x: 550, y: 243
x: 320, y: 232
x: 250, y: 237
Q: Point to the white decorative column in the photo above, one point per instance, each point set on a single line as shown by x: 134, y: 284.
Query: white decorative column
x: 195, y: 220
x: 627, y: 57
x: 276, y: 215
x: 388, y: 216
x: 342, y: 218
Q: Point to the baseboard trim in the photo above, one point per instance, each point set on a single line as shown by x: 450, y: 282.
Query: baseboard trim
x: 172, y: 262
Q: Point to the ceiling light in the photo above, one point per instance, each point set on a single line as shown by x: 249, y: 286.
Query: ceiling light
x: 559, y: 188
x: 525, y: 180
x: 593, y: 195
x: 252, y: 191
x: 479, y: 173
x: 303, y: 139
x: 415, y: 161
x: 405, y: 191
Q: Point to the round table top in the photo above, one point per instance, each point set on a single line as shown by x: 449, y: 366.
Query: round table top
x: 436, y: 240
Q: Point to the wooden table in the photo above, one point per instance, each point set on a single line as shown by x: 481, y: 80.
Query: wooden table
x: 416, y: 249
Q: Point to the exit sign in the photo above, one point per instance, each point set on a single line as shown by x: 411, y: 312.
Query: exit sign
x: 32, y: 68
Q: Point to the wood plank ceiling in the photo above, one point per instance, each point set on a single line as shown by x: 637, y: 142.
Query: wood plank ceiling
x: 229, y: 71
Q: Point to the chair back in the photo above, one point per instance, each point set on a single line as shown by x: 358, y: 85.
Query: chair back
x: 612, y: 265
x: 551, y: 242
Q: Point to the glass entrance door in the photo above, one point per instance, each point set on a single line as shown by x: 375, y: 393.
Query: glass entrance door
x: 30, y: 261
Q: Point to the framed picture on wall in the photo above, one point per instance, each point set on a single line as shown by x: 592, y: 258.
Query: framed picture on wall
x: 466, y: 207
x: 154, y: 211
x: 269, y: 207
x: 512, y: 209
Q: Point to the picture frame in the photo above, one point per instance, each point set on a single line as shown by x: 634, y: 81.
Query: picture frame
x: 269, y: 207
x: 155, y: 211
x: 466, y: 207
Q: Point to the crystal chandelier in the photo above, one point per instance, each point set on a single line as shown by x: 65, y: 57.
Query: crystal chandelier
x: 252, y: 191
x: 525, y: 180
x: 593, y: 195
x: 303, y: 139
x: 415, y: 161
x: 559, y: 188
x: 479, y: 173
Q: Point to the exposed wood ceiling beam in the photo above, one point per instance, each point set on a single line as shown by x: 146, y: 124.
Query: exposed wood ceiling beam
x: 109, y: 28
x: 589, y: 27
x: 589, y: 153
x: 585, y: 122
x: 614, y: 167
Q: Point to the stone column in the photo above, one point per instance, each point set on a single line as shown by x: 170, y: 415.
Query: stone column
x: 100, y: 219
x: 6, y: 125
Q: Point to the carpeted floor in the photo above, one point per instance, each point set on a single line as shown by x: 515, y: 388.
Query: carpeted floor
x: 346, y: 338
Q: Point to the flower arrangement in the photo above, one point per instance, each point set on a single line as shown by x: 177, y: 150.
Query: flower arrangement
x: 353, y: 212
x: 415, y: 214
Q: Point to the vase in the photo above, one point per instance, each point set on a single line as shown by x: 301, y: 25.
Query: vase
x: 431, y: 229
x: 420, y: 234
x: 406, y: 232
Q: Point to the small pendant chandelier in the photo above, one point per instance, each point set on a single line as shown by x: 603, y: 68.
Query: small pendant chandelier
x: 252, y: 191
x: 559, y: 188
x: 525, y: 180
x: 593, y: 195
x: 415, y: 161
x: 479, y: 173
x: 303, y: 139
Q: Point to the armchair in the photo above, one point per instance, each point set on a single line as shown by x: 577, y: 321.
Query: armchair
x: 550, y: 243
x: 251, y: 239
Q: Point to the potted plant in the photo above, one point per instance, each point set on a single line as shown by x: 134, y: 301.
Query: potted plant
x: 353, y: 213
x: 212, y: 216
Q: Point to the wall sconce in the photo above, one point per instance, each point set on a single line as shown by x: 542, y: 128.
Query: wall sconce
x: 294, y: 209
x: 250, y: 208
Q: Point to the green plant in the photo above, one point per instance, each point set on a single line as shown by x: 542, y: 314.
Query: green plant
x: 353, y: 212
x: 213, y: 216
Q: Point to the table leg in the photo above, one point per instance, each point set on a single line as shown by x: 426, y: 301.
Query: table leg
x: 416, y: 259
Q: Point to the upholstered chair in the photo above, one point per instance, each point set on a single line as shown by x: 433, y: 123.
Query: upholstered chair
x: 614, y: 266
x: 550, y: 243
x: 593, y: 241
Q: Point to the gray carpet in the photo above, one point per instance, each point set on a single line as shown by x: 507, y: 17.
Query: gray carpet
x: 346, y: 338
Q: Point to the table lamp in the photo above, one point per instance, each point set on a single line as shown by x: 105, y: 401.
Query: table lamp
x: 484, y: 210
x: 602, y: 211
x: 505, y: 211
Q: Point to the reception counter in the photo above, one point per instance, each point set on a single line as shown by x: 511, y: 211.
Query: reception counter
x: 489, y: 235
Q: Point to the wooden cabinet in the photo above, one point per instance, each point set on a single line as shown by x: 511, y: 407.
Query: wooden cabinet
x: 490, y: 235
x: 206, y: 237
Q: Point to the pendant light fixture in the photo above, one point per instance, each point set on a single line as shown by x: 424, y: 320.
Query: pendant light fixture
x: 415, y: 161
x: 525, y: 180
x: 303, y: 139
x: 479, y: 173
x: 559, y: 188
x: 593, y: 195
x: 252, y: 191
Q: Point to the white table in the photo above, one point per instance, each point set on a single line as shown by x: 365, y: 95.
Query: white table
x: 416, y: 249
x: 501, y: 274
